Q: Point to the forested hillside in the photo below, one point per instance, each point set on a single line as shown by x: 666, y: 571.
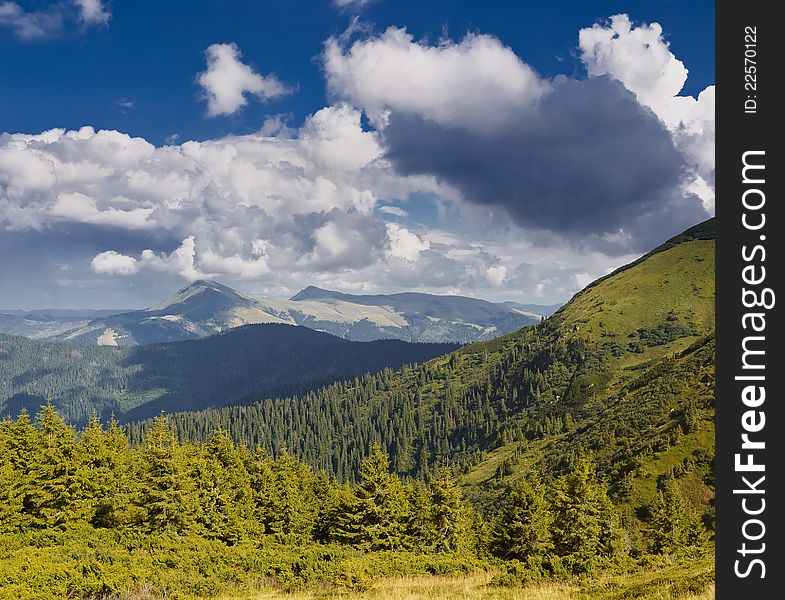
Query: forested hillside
x: 86, y: 516
x: 235, y: 367
x: 622, y: 374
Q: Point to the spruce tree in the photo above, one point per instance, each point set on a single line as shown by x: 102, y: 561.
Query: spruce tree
x: 522, y: 528
x: 673, y: 529
x: 223, y: 489
x: 585, y: 525
x: 449, y: 514
x: 163, y: 494
x: 106, y: 469
x: 378, y: 512
x: 59, y: 479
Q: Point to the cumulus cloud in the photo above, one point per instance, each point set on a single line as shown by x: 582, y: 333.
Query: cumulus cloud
x: 640, y: 58
x: 114, y: 263
x: 244, y: 206
x: 584, y: 164
x: 496, y: 274
x: 586, y: 159
x: 228, y: 81
x: 40, y: 24
x: 515, y: 187
x: 76, y: 206
x: 180, y: 261
x: 476, y: 83
x: 405, y: 244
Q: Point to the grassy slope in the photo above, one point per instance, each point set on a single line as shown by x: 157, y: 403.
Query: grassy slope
x: 640, y: 395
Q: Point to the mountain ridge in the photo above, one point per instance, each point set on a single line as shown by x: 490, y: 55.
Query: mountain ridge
x: 205, y: 307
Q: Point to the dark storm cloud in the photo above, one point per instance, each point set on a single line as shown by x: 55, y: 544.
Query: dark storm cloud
x: 585, y: 162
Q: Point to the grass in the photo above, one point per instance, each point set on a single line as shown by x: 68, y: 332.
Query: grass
x: 680, y: 280
x: 670, y: 584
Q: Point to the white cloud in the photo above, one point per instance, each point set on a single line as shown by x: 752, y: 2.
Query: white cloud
x: 583, y: 279
x: 393, y: 210
x: 475, y: 83
x: 496, y: 274
x: 299, y: 202
x: 354, y: 5
x: 180, y: 261
x: 113, y: 263
x: 295, y: 205
x: 93, y: 12
x: 405, y: 244
x: 640, y: 57
x: 337, y: 139
x: 40, y: 24
x: 76, y: 206
x: 228, y: 80
x: 30, y: 25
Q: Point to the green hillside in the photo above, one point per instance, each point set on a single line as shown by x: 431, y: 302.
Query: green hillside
x: 623, y: 374
x: 234, y: 367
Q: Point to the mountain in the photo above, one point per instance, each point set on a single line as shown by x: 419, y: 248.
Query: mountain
x: 207, y: 307
x: 622, y: 374
x: 409, y: 316
x: 202, y: 308
x: 241, y: 365
x: 47, y: 323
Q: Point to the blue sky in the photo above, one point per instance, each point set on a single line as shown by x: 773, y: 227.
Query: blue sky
x: 132, y: 68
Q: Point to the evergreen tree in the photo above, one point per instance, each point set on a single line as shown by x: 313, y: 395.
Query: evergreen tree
x: 222, y: 489
x: 107, y: 477
x: 522, y: 525
x: 449, y: 515
x: 19, y: 447
x: 585, y: 524
x: 377, y: 514
x: 163, y: 495
x: 59, y: 478
x: 673, y: 529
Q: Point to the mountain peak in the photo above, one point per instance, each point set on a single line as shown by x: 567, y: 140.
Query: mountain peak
x: 207, y: 283
x: 197, y: 289
x: 314, y: 293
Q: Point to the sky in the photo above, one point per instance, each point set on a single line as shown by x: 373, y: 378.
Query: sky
x: 504, y: 150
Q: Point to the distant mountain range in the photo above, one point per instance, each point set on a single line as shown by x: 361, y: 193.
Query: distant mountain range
x: 207, y: 307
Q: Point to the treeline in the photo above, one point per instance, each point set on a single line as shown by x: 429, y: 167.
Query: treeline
x: 52, y: 478
x: 440, y: 413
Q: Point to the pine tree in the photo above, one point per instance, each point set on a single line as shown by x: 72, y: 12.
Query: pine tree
x: 673, y: 529
x: 163, y: 495
x: 449, y: 515
x: 378, y: 512
x: 522, y: 526
x: 585, y: 525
